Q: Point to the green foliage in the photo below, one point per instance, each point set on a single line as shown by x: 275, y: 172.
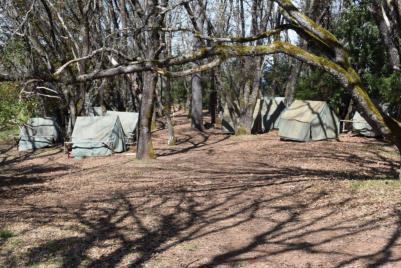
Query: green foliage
x: 5, y: 234
x: 367, y: 54
x: 319, y: 85
x: 13, y: 110
x: 361, y: 38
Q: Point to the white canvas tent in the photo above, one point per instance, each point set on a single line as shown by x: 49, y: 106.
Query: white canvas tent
x: 265, y: 116
x: 362, y: 127
x: 129, y: 122
x: 308, y: 121
x: 38, y: 133
x: 98, y: 135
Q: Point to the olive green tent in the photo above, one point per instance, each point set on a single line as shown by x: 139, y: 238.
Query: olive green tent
x: 265, y: 116
x: 38, y: 133
x: 362, y: 127
x: 269, y: 110
x: 129, y: 121
x: 97, y: 135
x: 308, y: 120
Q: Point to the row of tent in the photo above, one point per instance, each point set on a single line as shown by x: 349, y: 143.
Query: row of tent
x: 103, y: 135
x: 92, y: 135
x: 301, y: 121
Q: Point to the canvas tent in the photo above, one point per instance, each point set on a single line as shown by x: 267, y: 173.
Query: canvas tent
x: 38, y: 133
x: 360, y: 125
x: 268, y: 111
x: 129, y: 121
x: 97, y: 136
x: 307, y: 121
x: 227, y: 125
x: 265, y: 116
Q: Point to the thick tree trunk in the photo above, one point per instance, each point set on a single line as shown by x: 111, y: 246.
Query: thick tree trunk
x: 196, y: 104
x: 145, y: 149
x: 72, y: 109
x: 196, y: 85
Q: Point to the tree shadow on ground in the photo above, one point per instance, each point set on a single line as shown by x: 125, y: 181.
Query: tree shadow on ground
x: 133, y: 226
x: 280, y: 209
x: 189, y: 143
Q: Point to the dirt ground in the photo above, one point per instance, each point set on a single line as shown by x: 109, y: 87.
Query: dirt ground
x: 212, y: 200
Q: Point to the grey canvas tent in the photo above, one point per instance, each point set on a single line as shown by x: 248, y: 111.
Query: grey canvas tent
x: 267, y: 113
x: 227, y: 125
x: 362, y: 127
x: 308, y: 121
x: 38, y: 133
x: 265, y: 116
x: 128, y: 120
x: 97, y: 136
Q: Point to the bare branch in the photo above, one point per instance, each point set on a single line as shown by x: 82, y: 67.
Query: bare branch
x: 23, y: 21
x: 97, y: 51
x: 198, y: 69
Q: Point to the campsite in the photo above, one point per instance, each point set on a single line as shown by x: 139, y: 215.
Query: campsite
x: 208, y: 201
x: 197, y: 133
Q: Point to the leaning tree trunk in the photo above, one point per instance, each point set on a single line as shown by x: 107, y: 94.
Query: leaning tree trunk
x: 145, y: 149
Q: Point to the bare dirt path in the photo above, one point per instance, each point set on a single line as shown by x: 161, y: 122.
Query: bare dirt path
x: 211, y: 201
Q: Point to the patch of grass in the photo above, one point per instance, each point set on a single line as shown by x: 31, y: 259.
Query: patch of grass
x: 375, y: 183
x: 5, y: 234
x: 45, y: 264
x: 242, y: 136
x: 6, y: 135
x: 189, y: 246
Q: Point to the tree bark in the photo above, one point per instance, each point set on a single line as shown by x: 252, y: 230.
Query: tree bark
x: 167, y: 112
x: 292, y: 83
x: 212, y: 98
x: 145, y: 148
x: 198, y: 20
x: 196, y: 103
x: 387, y: 34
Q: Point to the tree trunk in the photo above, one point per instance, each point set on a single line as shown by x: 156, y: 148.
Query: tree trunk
x: 73, y: 116
x: 386, y: 34
x: 196, y: 85
x: 212, y: 98
x: 292, y: 83
x: 167, y: 112
x: 196, y: 104
x: 188, y: 102
x: 145, y: 149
